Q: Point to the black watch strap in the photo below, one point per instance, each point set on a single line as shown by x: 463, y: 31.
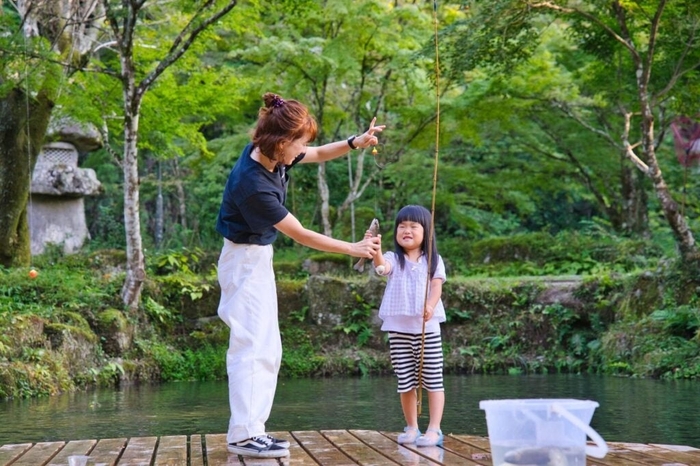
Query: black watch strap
x: 351, y: 139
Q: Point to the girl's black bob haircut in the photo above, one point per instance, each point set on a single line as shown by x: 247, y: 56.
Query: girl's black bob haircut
x: 416, y: 213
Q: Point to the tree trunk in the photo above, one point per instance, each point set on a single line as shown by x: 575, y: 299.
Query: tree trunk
x: 181, y: 198
x: 634, y: 213
x: 23, y: 123
x: 679, y: 226
x: 135, y: 264
x: 158, y: 233
x: 69, y: 27
x: 325, y: 199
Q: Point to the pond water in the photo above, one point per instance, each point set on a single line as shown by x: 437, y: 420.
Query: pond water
x: 631, y: 410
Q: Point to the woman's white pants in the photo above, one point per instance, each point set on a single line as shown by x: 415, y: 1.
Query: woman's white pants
x: 249, y: 307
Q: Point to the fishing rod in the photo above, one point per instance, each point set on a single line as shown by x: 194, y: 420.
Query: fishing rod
x: 431, y: 233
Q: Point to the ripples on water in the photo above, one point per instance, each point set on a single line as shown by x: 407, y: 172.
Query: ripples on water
x: 645, y: 411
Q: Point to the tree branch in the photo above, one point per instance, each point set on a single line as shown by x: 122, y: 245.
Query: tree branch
x: 629, y: 149
x: 568, y: 112
x: 677, y: 73
x: 567, y: 10
x: 653, y: 35
x: 184, y: 40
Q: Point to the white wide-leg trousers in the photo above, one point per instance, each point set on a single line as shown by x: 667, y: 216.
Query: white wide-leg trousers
x: 249, y: 307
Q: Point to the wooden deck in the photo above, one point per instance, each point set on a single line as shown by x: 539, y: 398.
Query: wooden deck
x: 326, y: 447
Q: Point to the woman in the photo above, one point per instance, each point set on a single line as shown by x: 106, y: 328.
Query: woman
x: 251, y: 214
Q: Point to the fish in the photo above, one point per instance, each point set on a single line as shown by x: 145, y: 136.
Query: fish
x: 374, y: 229
x: 543, y: 456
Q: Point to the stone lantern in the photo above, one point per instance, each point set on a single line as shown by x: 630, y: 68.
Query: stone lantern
x: 56, y: 207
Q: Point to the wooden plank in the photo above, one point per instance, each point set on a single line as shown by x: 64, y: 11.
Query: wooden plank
x: 74, y: 447
x: 8, y: 453
x: 217, y: 451
x: 387, y: 445
x: 310, y: 448
x: 620, y: 455
x: 40, y: 454
x: 139, y: 451
x: 358, y: 451
x: 476, y: 452
x: 297, y: 454
x: 666, y: 454
x: 196, y: 451
x: 171, y: 451
x: 480, y: 443
x: 320, y: 449
x: 107, y: 451
x: 684, y: 448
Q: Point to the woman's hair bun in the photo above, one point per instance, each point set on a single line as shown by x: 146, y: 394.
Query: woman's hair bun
x: 273, y: 100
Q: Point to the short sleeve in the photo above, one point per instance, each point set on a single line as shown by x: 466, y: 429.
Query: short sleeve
x: 440, y: 270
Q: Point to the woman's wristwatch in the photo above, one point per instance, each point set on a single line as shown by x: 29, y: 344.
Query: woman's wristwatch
x: 351, y: 139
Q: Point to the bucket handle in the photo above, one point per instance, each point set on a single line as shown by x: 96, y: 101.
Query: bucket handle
x: 601, y: 448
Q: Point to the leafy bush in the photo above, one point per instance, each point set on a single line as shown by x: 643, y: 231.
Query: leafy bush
x: 538, y: 254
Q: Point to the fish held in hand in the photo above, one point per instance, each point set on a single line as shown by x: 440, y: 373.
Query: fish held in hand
x: 374, y: 229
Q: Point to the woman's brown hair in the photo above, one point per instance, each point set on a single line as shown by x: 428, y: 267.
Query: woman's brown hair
x: 281, y: 121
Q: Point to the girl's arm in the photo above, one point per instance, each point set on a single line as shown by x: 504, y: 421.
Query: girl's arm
x: 291, y: 227
x: 333, y: 150
x: 433, y: 298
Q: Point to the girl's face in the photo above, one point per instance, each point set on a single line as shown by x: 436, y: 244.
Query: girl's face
x: 409, y: 235
x: 292, y: 149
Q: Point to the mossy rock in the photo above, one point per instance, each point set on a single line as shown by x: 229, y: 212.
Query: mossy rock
x: 22, y: 331
x: 291, y: 297
x: 116, y: 330
x: 327, y: 263
x: 332, y: 299
x: 192, y: 296
x: 525, y: 247
x: 19, y: 379
x: 289, y: 268
x: 108, y: 260
x: 643, y: 295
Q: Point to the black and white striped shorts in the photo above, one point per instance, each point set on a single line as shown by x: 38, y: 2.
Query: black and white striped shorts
x: 405, y: 350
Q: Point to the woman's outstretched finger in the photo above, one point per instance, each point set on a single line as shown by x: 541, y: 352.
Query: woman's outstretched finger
x: 373, y: 128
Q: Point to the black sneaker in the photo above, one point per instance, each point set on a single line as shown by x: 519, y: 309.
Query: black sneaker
x: 277, y: 441
x: 258, y: 447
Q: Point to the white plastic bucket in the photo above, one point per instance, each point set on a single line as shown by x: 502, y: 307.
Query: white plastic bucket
x: 542, y: 432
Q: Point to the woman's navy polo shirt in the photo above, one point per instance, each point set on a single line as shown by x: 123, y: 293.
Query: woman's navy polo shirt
x: 253, y: 201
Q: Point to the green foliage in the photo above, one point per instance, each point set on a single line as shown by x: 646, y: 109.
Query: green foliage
x: 567, y: 253
x: 300, y: 357
x: 68, y: 284
x: 202, y: 363
x: 160, y: 314
x: 176, y: 274
x: 683, y: 321
x: 357, y: 320
x: 184, y: 260
x: 664, y: 344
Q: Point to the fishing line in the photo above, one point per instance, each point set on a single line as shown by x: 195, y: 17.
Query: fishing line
x: 431, y: 233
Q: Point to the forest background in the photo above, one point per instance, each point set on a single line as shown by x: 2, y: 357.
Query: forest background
x: 556, y: 158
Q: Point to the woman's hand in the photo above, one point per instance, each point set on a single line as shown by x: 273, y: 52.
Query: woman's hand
x: 368, y: 138
x: 366, y: 248
x: 368, y: 234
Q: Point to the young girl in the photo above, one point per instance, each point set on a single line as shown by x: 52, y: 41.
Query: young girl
x: 403, y: 311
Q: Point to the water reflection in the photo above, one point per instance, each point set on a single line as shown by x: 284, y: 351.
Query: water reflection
x: 646, y: 411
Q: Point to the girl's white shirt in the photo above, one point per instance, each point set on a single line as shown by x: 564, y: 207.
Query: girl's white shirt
x: 404, y: 297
